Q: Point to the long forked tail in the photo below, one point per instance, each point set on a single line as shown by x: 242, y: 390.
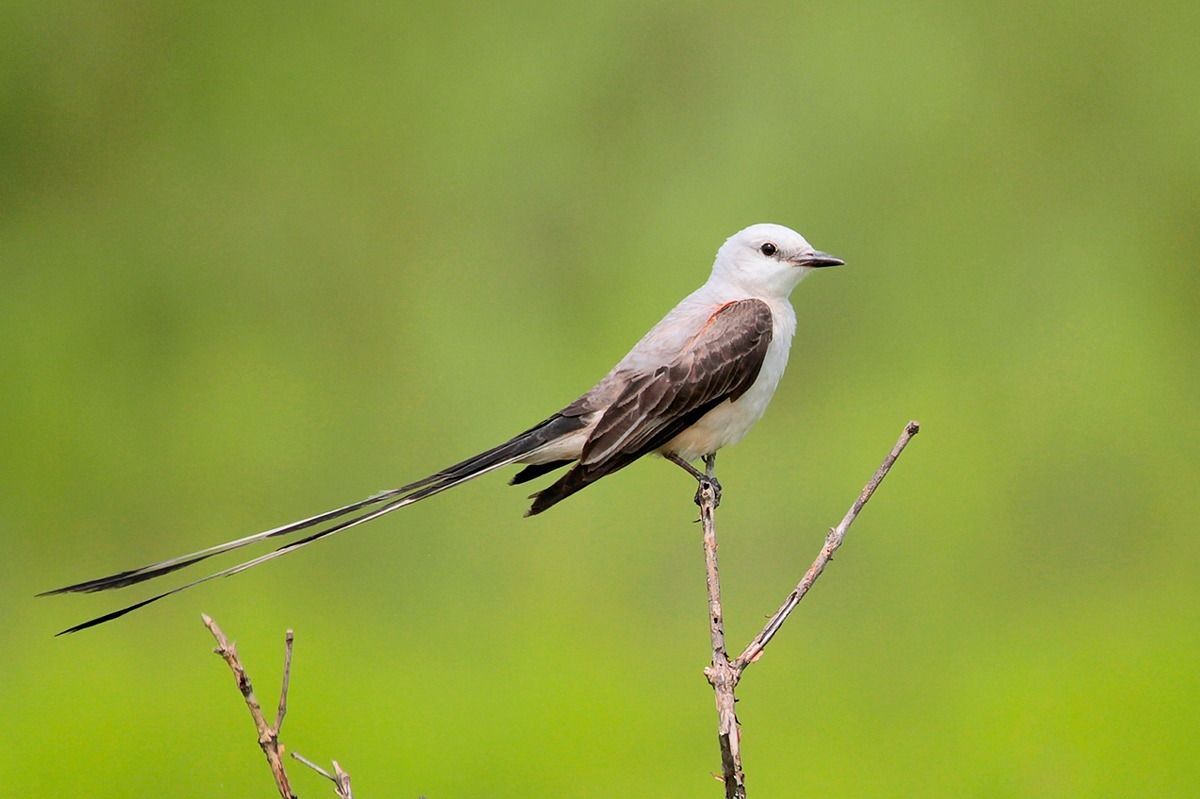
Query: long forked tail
x: 523, y: 445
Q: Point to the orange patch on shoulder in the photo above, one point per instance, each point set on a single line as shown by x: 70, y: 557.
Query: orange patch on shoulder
x: 709, y: 322
x: 723, y: 307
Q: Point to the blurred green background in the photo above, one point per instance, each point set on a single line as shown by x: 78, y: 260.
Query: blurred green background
x: 260, y: 261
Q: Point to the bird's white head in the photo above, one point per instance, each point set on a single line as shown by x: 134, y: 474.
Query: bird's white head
x: 768, y: 260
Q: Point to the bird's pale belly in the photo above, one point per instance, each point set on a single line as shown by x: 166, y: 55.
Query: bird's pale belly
x: 721, y: 426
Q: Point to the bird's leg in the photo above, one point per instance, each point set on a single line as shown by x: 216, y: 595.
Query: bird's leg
x: 704, y: 478
x: 710, y: 476
x: 683, y: 464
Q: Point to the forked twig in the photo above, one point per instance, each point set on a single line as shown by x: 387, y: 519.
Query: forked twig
x: 268, y: 735
x: 724, y: 674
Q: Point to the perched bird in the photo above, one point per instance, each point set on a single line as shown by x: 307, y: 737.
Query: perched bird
x: 696, y: 382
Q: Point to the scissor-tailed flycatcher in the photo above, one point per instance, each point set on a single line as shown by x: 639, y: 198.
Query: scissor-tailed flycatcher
x: 698, y: 381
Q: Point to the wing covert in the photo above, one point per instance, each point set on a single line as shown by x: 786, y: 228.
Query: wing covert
x: 720, y: 362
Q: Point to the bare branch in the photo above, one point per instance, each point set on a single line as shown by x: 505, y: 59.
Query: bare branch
x: 723, y: 675
x: 312, y: 765
x: 288, y: 638
x: 268, y: 736
x: 832, y: 541
x: 339, y: 778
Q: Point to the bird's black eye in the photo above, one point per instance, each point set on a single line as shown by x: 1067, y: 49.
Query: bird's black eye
x: 768, y: 249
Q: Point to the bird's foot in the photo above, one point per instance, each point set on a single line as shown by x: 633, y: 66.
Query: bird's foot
x: 704, y: 479
x: 711, y: 483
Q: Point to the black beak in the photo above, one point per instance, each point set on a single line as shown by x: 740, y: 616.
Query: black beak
x: 817, y: 258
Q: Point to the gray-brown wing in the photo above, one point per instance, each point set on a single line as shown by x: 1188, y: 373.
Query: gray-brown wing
x: 720, y: 363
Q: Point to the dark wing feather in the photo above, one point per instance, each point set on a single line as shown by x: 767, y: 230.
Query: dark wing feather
x: 537, y: 470
x: 720, y: 363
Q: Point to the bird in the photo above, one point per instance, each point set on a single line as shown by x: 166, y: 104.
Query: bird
x: 696, y: 382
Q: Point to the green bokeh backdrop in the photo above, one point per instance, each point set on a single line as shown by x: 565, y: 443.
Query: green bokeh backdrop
x: 259, y: 261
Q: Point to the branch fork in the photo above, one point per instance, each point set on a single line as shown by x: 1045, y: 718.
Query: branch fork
x: 723, y: 673
x: 268, y: 734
